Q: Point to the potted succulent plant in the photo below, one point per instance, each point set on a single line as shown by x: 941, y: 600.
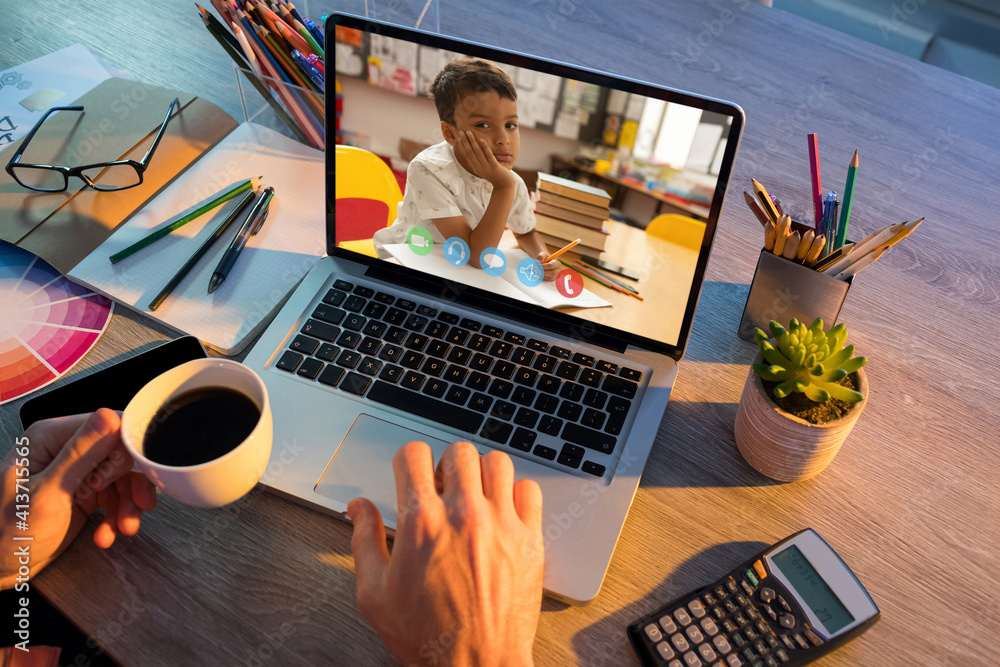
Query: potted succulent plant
x: 801, y: 399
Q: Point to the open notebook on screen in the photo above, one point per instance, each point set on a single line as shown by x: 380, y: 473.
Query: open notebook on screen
x: 377, y: 347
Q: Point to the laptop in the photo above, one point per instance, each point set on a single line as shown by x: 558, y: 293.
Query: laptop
x: 368, y: 354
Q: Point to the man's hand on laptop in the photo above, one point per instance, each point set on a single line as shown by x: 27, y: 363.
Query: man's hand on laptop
x: 463, y: 585
x: 71, y: 466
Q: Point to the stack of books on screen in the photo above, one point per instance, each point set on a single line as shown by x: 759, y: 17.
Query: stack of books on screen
x: 566, y: 210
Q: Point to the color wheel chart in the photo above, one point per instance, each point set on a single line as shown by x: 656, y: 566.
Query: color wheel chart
x: 47, y: 322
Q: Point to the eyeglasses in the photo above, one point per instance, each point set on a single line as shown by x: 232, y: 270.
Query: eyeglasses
x: 103, y: 176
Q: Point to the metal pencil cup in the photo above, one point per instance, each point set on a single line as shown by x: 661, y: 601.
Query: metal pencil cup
x: 783, y: 289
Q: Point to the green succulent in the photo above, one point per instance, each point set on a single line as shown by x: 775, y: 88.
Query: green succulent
x: 808, y: 360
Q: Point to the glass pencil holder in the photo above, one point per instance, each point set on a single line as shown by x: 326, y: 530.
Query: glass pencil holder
x: 291, y: 110
x: 782, y: 289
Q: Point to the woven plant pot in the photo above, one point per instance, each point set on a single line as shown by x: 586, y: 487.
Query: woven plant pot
x: 785, y: 447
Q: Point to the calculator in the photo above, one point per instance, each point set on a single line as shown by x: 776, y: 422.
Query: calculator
x: 795, y: 601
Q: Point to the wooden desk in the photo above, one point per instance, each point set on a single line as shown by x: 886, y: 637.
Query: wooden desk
x: 910, y: 501
x: 621, y: 188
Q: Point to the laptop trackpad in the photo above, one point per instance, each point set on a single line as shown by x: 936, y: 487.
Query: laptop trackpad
x: 362, y: 465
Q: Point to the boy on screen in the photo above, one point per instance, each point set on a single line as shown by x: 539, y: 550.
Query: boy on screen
x: 465, y: 186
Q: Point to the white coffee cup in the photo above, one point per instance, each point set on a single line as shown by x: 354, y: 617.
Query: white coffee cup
x: 219, y: 481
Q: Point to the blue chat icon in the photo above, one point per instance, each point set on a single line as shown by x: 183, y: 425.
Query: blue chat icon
x: 493, y: 261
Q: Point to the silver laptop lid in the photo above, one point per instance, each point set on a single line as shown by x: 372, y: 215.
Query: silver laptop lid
x: 619, y: 135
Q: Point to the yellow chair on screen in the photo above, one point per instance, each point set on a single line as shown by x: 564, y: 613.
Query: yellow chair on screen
x: 678, y: 229
x: 364, y: 175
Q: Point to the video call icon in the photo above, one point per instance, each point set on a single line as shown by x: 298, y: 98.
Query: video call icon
x: 420, y: 241
x: 456, y: 251
x: 493, y: 262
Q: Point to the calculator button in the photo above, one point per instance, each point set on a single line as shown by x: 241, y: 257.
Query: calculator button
x: 730, y: 607
x: 718, y: 613
x: 682, y: 617
x: 771, y: 614
x: 694, y: 634
x: 668, y: 625
x: 709, y: 626
x: 747, y: 588
x: 707, y: 653
x: 787, y: 621
x: 752, y: 613
x: 813, y: 637
x: 784, y: 604
x: 709, y: 599
x: 653, y: 632
x: 721, y: 645
x: 772, y: 642
x: 801, y: 641
x: 762, y: 628
x: 728, y: 626
x: 737, y: 639
x: 787, y: 641
x: 742, y: 621
x: 758, y: 567
x: 749, y: 634
x: 751, y: 578
x: 769, y: 661
x: 691, y: 659
x: 749, y: 654
x: 741, y: 601
x: 679, y: 642
x: 731, y: 586
x: 664, y: 650
x: 675, y: 663
x: 760, y: 646
x: 697, y: 608
x: 782, y: 656
x: 733, y: 660
x: 720, y: 592
x: 766, y: 594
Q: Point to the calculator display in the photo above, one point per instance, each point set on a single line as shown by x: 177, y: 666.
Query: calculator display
x: 813, y: 589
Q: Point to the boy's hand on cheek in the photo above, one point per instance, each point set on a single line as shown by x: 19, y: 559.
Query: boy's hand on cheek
x: 480, y: 160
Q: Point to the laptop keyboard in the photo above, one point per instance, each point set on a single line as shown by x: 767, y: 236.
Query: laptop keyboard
x: 543, y: 401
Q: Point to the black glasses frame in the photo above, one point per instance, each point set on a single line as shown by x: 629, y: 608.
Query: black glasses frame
x: 139, y: 166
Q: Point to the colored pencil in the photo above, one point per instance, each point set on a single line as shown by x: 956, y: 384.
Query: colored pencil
x: 845, y: 207
x: 752, y: 203
x: 817, y: 187
x: 184, y: 219
x: 179, y: 276
x: 257, y: 83
x: 605, y: 276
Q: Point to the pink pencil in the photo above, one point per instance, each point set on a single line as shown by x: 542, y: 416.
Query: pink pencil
x: 817, y: 188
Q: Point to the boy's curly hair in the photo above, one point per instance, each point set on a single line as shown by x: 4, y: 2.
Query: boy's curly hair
x: 466, y: 76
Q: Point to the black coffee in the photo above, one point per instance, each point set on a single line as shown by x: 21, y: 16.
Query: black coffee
x: 199, y: 426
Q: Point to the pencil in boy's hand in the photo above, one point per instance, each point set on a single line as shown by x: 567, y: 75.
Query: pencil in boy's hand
x: 558, y: 253
x: 183, y: 220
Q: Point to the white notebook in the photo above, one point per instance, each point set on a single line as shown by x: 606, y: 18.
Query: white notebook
x: 273, y: 262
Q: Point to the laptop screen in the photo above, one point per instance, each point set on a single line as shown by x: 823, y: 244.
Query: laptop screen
x: 462, y: 169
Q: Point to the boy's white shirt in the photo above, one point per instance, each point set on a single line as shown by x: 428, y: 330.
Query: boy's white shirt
x: 437, y: 186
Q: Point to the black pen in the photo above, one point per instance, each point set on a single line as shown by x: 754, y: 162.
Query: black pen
x: 250, y: 228
x: 179, y: 276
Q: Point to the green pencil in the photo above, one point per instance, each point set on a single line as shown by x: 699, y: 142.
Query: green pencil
x: 180, y: 222
x: 845, y: 207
